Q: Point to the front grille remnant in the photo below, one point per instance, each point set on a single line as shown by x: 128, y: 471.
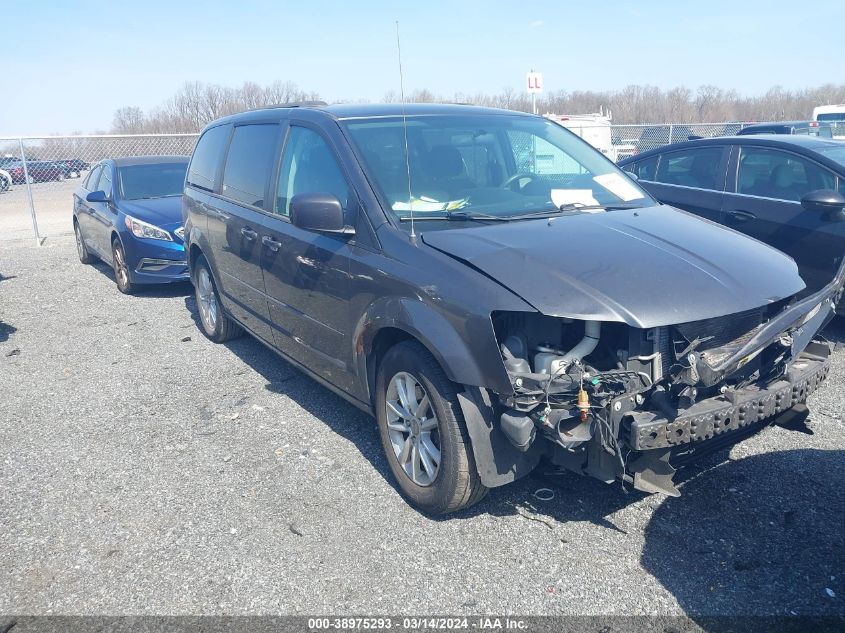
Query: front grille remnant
x: 733, y: 329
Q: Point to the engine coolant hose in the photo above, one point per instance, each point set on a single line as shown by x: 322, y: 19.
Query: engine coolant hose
x: 584, y: 347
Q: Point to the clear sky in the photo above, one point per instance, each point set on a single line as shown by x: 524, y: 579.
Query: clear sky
x: 69, y: 64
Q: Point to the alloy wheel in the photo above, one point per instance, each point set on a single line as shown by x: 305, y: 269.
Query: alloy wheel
x: 206, y: 299
x: 80, y: 246
x: 120, y: 270
x: 413, y: 429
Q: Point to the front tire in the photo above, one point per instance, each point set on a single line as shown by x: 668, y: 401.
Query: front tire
x: 121, y: 270
x: 215, y: 323
x: 423, y: 432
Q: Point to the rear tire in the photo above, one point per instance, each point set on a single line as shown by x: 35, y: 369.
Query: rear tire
x: 84, y: 255
x: 121, y: 270
x: 421, y: 425
x: 214, y: 322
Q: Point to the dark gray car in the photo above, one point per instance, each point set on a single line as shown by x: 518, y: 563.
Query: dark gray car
x: 494, y: 291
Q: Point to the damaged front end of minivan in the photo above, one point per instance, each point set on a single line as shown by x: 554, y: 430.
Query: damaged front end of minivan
x: 618, y: 402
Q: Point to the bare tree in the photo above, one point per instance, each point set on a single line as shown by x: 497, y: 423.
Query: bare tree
x: 196, y: 103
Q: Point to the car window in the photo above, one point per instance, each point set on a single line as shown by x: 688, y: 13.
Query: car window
x: 644, y: 169
x: 780, y: 175
x: 105, y: 180
x: 694, y: 167
x: 93, y: 178
x: 308, y: 166
x: 249, y: 163
x: 207, y: 156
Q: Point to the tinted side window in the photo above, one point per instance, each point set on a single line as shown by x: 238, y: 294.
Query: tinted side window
x: 644, y: 169
x: 249, y: 163
x: 696, y: 167
x: 105, y: 180
x: 774, y: 174
x: 309, y: 166
x: 93, y: 178
x: 207, y: 156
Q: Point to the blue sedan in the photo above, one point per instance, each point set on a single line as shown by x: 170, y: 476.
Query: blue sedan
x: 128, y: 213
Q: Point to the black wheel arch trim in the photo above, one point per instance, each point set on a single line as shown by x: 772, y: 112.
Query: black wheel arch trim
x: 497, y: 461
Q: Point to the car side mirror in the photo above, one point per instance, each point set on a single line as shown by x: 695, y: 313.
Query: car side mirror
x: 631, y: 175
x: 321, y: 212
x: 97, y: 196
x: 826, y: 201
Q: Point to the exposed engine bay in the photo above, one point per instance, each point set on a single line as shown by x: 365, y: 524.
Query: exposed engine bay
x: 619, y: 402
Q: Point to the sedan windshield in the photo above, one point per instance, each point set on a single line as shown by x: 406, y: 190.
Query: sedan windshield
x: 159, y: 180
x: 507, y: 166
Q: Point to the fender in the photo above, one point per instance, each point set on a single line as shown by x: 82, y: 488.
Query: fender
x: 466, y: 350
x: 469, y: 355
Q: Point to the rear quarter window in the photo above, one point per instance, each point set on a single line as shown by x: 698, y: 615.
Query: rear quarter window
x: 644, y: 169
x: 206, y: 158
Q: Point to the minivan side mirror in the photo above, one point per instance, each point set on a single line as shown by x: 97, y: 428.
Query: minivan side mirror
x: 320, y: 212
x: 827, y: 201
x: 97, y: 196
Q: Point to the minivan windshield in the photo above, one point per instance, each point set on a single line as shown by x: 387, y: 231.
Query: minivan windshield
x: 490, y: 167
x: 157, y: 180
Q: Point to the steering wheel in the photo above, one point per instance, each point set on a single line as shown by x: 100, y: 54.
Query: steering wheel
x: 508, y: 183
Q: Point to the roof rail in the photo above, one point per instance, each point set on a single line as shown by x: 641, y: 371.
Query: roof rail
x: 297, y: 104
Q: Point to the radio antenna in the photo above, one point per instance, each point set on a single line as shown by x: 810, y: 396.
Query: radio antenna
x: 405, y: 130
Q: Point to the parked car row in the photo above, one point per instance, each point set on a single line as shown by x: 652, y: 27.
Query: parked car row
x: 487, y: 285
x: 42, y: 170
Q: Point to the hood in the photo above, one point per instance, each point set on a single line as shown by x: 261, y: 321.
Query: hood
x: 645, y: 267
x: 163, y: 212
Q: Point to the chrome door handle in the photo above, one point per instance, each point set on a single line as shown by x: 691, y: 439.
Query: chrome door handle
x: 249, y: 234
x: 270, y: 243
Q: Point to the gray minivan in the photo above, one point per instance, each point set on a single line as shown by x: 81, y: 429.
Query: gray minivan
x: 494, y: 291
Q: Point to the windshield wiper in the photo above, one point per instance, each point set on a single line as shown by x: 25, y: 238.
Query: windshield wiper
x: 540, y: 213
x: 455, y: 215
x: 574, y: 206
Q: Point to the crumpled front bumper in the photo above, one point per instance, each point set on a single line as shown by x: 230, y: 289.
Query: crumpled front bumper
x: 733, y: 410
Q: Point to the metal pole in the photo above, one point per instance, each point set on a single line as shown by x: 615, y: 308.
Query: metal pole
x: 29, y: 193
x: 670, y: 133
x: 534, y: 102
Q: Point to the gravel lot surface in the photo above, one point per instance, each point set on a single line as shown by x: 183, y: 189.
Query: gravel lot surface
x: 146, y: 470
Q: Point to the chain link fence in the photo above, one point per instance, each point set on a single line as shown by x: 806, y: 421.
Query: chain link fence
x: 38, y: 175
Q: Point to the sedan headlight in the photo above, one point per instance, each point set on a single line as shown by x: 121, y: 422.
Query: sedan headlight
x: 146, y: 230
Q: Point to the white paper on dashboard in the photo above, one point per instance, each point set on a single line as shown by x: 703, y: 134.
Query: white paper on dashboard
x: 573, y: 196
x: 619, y: 186
x: 428, y: 204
